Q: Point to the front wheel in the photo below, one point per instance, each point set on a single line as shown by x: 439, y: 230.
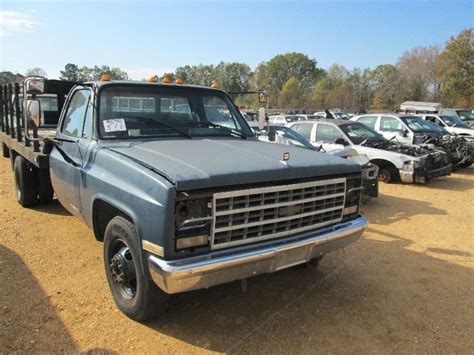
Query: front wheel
x: 134, y: 294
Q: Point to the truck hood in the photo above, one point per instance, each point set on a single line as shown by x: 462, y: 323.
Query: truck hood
x: 205, y: 163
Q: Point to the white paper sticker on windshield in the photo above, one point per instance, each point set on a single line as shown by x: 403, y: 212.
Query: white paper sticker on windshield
x: 115, y: 125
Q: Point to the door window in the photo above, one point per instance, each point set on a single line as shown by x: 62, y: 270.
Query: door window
x: 304, y: 129
x: 327, y: 134
x: 368, y: 121
x: 390, y: 124
x: 74, y: 119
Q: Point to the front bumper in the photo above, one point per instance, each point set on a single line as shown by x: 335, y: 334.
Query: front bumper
x: 422, y: 176
x: 229, y: 265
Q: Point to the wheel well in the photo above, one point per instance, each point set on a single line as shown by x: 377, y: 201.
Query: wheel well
x: 102, y: 213
x: 384, y: 164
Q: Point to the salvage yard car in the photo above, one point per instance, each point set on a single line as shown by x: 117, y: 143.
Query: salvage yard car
x: 452, y: 124
x: 467, y: 116
x: 395, y: 161
x: 412, y: 130
x: 172, y: 180
x: 287, y: 136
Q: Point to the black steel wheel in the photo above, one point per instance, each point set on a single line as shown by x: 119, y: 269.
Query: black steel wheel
x: 26, y: 182
x: 134, y: 293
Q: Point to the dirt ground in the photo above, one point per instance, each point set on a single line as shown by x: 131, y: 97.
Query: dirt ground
x: 406, y: 287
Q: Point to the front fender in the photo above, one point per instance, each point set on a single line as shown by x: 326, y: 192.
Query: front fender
x: 147, y: 198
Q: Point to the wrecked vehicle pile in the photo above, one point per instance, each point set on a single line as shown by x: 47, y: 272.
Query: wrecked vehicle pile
x: 459, y: 149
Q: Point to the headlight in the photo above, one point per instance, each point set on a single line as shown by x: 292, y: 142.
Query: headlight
x: 193, y: 223
x: 411, y: 164
x: 353, y: 192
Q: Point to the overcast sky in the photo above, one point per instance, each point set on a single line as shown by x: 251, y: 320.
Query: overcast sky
x: 151, y: 37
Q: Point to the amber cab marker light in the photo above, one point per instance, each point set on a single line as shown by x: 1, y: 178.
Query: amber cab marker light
x: 216, y: 86
x: 105, y: 77
x: 179, y: 81
x: 166, y: 80
x: 153, y: 79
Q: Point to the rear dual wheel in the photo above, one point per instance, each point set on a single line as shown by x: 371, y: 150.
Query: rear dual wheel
x: 5, y: 151
x: 32, y: 185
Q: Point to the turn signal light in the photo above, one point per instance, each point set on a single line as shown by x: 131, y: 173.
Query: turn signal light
x: 105, y: 77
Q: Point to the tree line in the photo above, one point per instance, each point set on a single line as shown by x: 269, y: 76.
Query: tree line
x: 294, y: 81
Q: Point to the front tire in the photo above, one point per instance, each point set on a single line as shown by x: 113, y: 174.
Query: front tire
x: 134, y: 293
x: 26, y: 182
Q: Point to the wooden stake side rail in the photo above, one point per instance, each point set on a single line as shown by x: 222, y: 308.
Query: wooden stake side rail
x: 12, y: 127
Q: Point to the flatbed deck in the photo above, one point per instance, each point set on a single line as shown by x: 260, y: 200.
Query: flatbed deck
x: 37, y: 158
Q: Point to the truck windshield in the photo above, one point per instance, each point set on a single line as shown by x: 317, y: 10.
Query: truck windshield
x: 142, y: 111
x: 358, y: 133
x: 453, y: 121
x: 419, y: 125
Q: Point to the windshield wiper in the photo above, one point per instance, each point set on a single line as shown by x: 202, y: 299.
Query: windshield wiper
x: 232, y: 130
x: 159, y: 123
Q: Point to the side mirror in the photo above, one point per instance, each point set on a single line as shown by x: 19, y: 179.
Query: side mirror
x: 34, y: 86
x: 341, y: 141
x: 33, y: 108
x: 405, y: 133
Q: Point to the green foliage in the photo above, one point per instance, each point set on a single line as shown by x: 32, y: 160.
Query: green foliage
x: 456, y: 69
x: 293, y: 80
x: 74, y: 73
x: 272, y: 75
x: 292, y: 94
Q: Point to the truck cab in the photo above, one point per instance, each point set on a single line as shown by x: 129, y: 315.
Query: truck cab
x: 172, y: 180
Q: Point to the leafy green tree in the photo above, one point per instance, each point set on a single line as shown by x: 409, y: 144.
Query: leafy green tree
x: 71, y: 72
x: 272, y: 75
x: 456, y: 68
x: 386, y: 83
x: 291, y: 95
x: 233, y: 76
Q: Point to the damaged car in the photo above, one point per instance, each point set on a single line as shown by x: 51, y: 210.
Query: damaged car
x: 287, y: 136
x: 413, y: 130
x: 409, y: 164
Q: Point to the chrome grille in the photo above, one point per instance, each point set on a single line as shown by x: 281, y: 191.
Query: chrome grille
x: 248, y: 216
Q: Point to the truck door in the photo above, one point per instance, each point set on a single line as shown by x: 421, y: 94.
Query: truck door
x: 72, y: 139
x: 330, y: 137
x: 393, y: 129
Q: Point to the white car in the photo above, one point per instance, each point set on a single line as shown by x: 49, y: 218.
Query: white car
x: 452, y: 124
x: 413, y: 130
x: 339, y: 115
x: 395, y: 161
x: 466, y: 115
x: 282, y: 120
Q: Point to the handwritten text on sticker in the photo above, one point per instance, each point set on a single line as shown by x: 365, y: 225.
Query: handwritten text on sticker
x: 115, y: 125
